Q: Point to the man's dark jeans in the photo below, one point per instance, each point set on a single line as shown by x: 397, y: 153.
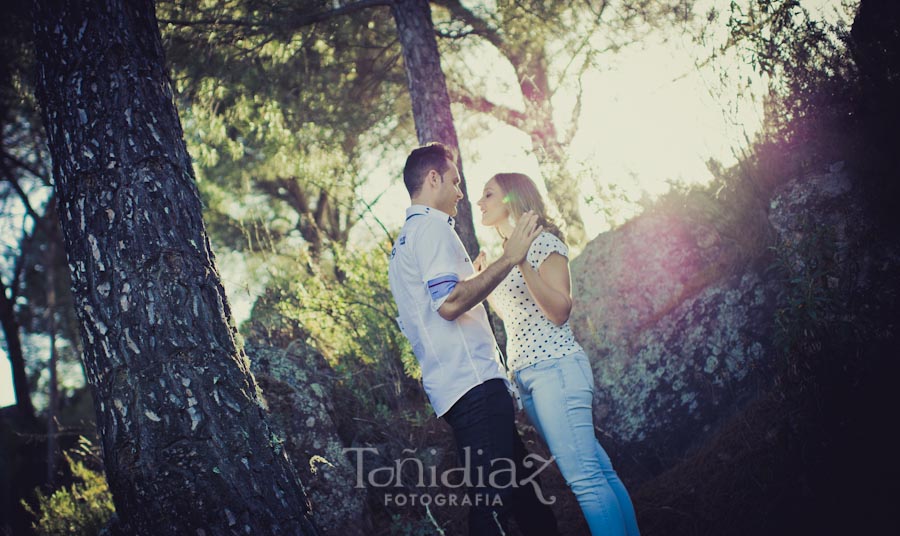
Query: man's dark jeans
x: 483, y: 422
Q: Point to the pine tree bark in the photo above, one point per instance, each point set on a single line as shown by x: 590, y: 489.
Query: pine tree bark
x: 430, y: 99
x: 186, y: 446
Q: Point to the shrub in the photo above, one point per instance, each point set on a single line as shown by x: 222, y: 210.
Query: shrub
x: 82, y: 508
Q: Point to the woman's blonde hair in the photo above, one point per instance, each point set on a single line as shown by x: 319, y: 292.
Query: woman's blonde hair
x: 521, y: 195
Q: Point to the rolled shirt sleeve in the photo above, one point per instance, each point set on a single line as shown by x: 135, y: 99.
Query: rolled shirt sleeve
x: 442, y: 261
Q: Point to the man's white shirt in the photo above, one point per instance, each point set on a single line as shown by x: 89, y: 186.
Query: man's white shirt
x: 427, y: 262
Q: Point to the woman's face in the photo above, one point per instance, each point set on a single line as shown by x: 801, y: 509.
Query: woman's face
x: 493, y: 209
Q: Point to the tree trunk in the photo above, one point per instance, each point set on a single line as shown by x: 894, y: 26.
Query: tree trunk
x: 16, y: 357
x: 53, y: 400
x: 527, y: 54
x: 875, y: 43
x: 562, y: 188
x: 531, y: 68
x: 430, y: 99
x: 186, y: 447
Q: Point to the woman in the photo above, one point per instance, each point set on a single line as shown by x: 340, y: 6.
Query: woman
x: 549, y: 367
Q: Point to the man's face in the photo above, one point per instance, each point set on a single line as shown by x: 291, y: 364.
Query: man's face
x: 449, y: 193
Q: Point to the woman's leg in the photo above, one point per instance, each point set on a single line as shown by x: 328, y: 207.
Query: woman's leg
x: 560, y: 406
x: 612, y: 478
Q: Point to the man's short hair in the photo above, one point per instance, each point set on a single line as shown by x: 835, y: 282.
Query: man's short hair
x: 434, y: 155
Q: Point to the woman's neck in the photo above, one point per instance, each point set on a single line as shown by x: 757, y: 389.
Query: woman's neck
x: 505, y: 228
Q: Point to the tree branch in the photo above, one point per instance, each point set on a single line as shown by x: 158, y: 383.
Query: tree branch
x: 450, y: 34
x: 479, y: 26
x: 502, y: 113
x: 13, y: 181
x: 210, y: 22
x: 576, y: 115
x: 18, y: 268
x: 345, y: 9
x: 305, y: 19
x: 598, y: 20
x: 26, y: 166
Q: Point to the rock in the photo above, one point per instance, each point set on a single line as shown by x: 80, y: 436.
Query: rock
x: 296, y: 385
x: 821, y: 204
x: 664, y: 384
x: 679, y: 323
x: 826, y: 231
x: 631, y: 277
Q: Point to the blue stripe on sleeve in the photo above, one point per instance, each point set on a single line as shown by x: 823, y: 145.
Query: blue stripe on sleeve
x: 442, y: 286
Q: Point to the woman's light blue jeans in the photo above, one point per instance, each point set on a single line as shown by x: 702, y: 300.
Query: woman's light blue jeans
x: 558, y: 396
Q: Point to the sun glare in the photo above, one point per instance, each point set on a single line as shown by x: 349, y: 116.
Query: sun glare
x: 649, y: 119
x: 644, y: 124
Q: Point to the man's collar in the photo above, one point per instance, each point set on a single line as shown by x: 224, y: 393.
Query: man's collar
x: 424, y: 210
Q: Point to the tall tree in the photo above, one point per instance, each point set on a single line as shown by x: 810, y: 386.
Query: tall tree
x: 185, y: 443
x: 549, y: 45
x: 429, y: 95
x: 21, y: 176
x: 14, y: 352
x: 521, y: 32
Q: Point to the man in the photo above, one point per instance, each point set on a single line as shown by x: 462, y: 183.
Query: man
x: 439, y: 300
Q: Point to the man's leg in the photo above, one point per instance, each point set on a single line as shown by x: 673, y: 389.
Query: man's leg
x: 534, y: 517
x: 483, y: 426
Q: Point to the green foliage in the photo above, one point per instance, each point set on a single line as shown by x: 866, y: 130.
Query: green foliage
x: 730, y: 210
x: 807, y: 302
x: 82, y: 508
x: 811, y: 76
x: 278, y: 114
x: 550, y: 47
x: 824, y: 307
x: 344, y: 307
x: 356, y: 316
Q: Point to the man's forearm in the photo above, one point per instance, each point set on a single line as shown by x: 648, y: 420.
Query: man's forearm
x: 469, y: 293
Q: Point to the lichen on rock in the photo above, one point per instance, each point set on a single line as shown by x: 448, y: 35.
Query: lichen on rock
x: 679, y: 321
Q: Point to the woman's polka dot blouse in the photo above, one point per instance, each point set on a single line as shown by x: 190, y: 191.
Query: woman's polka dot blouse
x: 530, y: 336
